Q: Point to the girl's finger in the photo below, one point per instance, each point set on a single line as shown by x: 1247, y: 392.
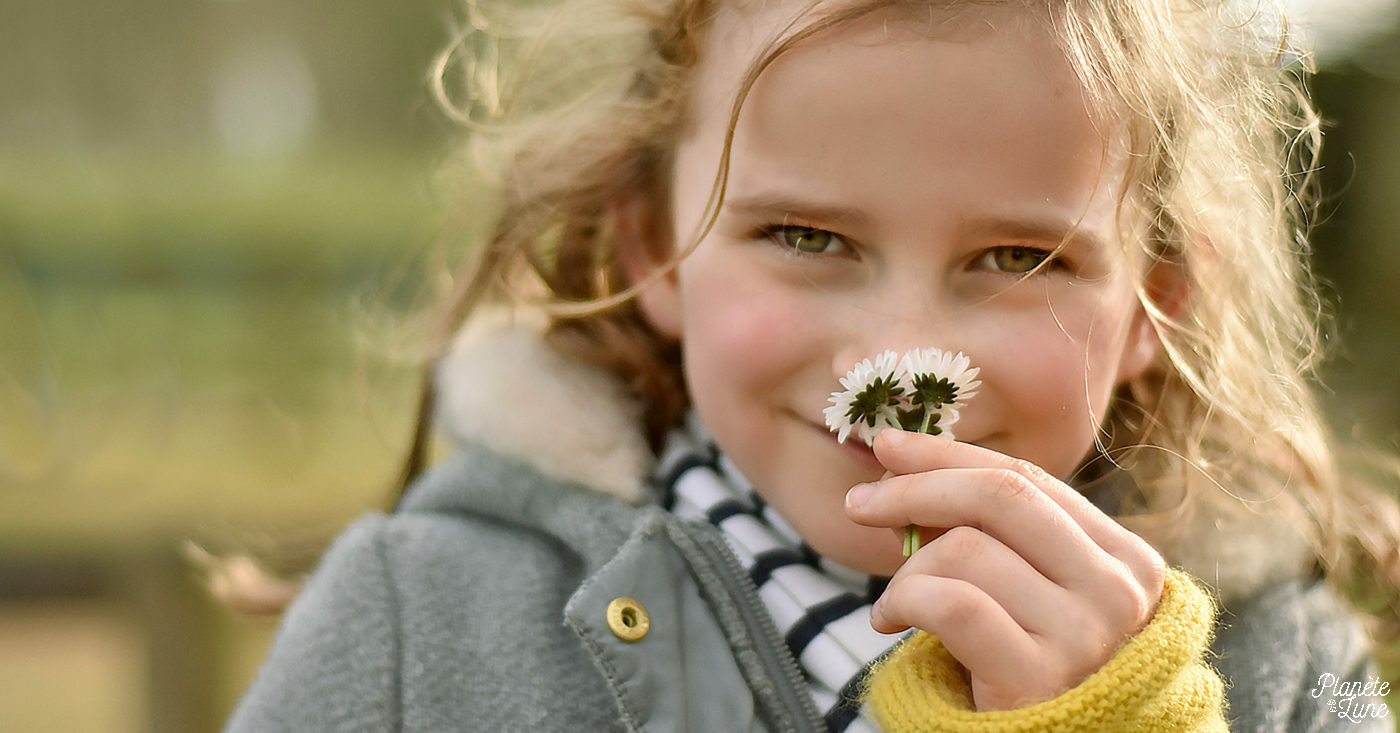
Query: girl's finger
x: 904, y: 452
x: 978, y: 632
x: 999, y: 502
x: 962, y: 553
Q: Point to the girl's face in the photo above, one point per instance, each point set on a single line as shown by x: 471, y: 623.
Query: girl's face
x: 889, y: 187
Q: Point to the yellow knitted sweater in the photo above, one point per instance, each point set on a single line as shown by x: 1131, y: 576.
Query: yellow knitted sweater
x: 1158, y: 681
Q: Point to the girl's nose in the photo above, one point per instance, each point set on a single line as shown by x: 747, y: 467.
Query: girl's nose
x: 897, y: 333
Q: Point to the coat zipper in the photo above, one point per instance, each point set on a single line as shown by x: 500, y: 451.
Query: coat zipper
x: 789, y: 681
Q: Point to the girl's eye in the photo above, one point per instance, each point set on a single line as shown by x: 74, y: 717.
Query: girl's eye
x: 1014, y: 260
x: 807, y: 241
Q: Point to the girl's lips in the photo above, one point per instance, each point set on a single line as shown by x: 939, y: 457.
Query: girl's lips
x: 857, y: 449
x: 854, y: 447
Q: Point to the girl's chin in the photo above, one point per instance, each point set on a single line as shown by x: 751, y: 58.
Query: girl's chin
x: 883, y: 561
x: 869, y: 550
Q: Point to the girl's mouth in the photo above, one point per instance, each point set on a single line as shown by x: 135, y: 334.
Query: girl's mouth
x: 858, y: 450
x: 854, y: 448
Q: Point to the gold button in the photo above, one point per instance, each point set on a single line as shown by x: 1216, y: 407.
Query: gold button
x: 628, y: 619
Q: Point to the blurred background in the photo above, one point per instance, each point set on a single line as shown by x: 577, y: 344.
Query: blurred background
x: 217, y: 222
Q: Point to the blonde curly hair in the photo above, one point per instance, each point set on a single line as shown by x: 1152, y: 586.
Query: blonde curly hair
x: 572, y: 107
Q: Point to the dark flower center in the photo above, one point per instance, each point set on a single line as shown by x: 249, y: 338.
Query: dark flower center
x: 934, y: 392
x: 882, y: 393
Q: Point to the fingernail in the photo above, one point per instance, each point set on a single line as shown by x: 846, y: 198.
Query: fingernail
x: 859, y: 494
x: 877, y: 610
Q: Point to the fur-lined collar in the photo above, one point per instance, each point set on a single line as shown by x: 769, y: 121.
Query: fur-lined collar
x: 582, y: 426
x: 585, y: 428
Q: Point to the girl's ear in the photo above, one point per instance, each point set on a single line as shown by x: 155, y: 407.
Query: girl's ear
x: 644, y: 250
x: 1167, y: 292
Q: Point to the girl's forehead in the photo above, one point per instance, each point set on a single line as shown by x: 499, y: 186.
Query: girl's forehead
x: 771, y: 21
x: 965, y: 74
x: 742, y: 34
x: 743, y: 39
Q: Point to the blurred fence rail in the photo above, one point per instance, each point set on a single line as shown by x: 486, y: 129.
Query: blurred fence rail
x: 212, y: 216
x: 193, y: 350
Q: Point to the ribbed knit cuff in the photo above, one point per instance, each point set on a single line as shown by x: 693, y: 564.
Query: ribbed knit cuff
x: 1158, y: 681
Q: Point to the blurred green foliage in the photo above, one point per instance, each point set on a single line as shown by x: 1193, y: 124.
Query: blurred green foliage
x: 215, y: 220
x: 1357, y: 240
x: 217, y: 223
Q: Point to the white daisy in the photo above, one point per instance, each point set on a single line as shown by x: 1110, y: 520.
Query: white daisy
x: 938, y: 385
x: 953, y: 368
x: 924, y: 392
x: 866, y: 404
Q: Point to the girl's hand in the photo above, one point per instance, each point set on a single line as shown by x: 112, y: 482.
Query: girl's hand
x: 1025, y: 582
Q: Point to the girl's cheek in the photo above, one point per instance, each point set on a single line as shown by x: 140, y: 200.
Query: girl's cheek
x: 738, y: 314
x: 753, y: 333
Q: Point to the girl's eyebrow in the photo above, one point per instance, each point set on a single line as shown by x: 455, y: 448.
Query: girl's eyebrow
x: 1037, y: 228
x: 1032, y: 226
x: 776, y: 204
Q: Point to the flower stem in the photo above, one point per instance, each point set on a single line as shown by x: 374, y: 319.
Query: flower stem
x: 928, y: 420
x: 911, y: 533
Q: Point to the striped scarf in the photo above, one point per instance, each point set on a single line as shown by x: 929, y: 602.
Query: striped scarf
x: 821, y: 608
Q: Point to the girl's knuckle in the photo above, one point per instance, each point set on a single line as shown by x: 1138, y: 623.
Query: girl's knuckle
x: 959, y: 605
x: 1148, y: 596
x: 1139, y: 583
x: 1030, y: 471
x: 1154, y: 572
x: 897, y: 598
x: 904, y: 489
x: 1009, y: 485
x: 1128, y: 603
x: 960, y: 545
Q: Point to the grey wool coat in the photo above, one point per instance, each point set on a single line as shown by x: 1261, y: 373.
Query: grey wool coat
x: 482, y: 603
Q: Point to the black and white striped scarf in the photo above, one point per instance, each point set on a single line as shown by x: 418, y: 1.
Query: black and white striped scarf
x: 821, y: 608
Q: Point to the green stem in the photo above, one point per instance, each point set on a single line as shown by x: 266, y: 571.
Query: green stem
x: 928, y: 420
x: 911, y: 533
x: 911, y: 540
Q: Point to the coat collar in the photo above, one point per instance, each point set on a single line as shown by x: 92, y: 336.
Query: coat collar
x: 501, y: 387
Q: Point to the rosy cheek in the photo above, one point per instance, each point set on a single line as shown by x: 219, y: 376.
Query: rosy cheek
x: 751, y: 337
x: 1035, y: 368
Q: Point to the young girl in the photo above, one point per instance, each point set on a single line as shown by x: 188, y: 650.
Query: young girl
x: 710, y: 210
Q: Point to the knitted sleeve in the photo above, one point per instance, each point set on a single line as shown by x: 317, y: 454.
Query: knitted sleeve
x: 1158, y: 681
